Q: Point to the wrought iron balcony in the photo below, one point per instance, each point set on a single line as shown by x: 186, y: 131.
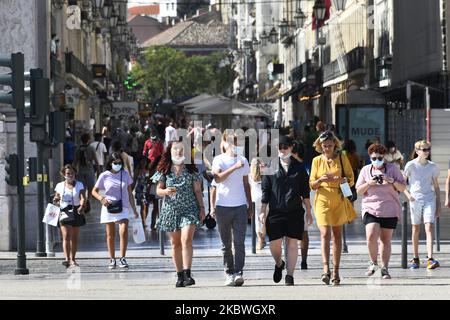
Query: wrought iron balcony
x: 78, y: 69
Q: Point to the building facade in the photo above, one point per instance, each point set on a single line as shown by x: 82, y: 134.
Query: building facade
x: 85, y: 52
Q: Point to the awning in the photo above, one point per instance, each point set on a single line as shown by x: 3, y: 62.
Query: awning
x: 271, y: 91
x: 196, y: 99
x: 226, y: 106
x: 294, y: 90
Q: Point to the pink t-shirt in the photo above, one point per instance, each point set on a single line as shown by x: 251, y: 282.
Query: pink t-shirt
x: 381, y: 200
x: 110, y: 182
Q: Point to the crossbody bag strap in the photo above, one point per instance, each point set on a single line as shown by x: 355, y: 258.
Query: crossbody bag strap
x: 121, y: 184
x: 342, y: 166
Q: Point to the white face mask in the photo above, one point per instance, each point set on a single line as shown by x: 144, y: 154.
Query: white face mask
x: 116, y: 167
x: 284, y: 157
x: 178, y: 160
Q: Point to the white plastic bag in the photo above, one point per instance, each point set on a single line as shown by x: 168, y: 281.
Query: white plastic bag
x: 51, y: 215
x: 138, y: 231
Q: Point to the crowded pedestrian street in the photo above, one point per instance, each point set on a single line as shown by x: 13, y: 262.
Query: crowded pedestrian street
x: 224, y: 156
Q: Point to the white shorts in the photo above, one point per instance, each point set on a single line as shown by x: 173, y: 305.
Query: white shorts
x: 107, y: 217
x: 259, y: 228
x: 420, y: 208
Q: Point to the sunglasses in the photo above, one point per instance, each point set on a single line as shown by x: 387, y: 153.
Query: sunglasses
x: 326, y: 136
x: 426, y: 149
x: 377, y: 158
x: 283, y: 147
x: 120, y: 162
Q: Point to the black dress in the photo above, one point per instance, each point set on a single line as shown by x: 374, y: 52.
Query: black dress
x: 284, y: 192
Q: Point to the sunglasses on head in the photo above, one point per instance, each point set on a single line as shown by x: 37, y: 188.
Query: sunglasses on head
x: 327, y: 135
x: 377, y: 158
x: 426, y: 149
x: 283, y: 147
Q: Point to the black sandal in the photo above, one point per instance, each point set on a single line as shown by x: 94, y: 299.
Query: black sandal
x: 326, y: 278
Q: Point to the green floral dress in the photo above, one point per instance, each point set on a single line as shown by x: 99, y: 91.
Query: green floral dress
x: 182, y: 208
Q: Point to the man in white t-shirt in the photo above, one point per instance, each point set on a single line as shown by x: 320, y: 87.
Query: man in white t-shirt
x: 171, y: 134
x: 100, y: 151
x: 232, y: 206
x: 424, y: 201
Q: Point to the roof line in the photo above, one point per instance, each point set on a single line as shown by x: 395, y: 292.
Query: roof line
x: 188, y: 24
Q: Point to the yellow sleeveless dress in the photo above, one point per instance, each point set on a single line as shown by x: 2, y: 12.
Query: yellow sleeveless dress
x: 331, y: 208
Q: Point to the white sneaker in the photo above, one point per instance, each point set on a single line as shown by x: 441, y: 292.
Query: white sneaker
x: 371, y: 268
x: 238, y: 279
x: 229, y: 280
x: 112, y: 264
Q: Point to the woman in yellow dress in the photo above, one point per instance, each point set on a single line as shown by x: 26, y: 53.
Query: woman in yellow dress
x: 331, y: 208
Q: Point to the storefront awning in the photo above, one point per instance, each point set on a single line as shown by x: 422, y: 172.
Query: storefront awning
x: 294, y: 90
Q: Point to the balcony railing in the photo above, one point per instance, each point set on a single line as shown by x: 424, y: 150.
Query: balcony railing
x: 350, y: 62
x: 301, y: 71
x: 55, y: 66
x: 78, y: 69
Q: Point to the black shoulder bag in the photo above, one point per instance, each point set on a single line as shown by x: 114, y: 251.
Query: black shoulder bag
x: 67, y: 214
x: 354, y: 194
x: 116, y: 206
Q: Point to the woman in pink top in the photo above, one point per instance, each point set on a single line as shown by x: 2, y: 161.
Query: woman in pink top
x: 380, y: 183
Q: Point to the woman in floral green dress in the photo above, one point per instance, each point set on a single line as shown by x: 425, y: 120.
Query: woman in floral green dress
x: 182, y: 210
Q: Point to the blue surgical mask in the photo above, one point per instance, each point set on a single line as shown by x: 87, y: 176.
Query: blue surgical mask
x: 238, y: 150
x: 377, y: 163
x: 116, y: 167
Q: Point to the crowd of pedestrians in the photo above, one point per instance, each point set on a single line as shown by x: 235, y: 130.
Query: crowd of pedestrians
x: 124, y: 169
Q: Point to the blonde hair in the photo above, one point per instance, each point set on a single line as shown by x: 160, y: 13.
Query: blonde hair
x: 255, y: 170
x: 421, y: 144
x: 318, y: 144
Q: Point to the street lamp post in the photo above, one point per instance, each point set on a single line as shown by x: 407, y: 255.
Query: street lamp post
x: 339, y: 4
x: 273, y: 36
x: 300, y: 18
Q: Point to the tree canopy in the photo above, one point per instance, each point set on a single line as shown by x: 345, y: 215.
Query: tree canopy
x: 186, y: 76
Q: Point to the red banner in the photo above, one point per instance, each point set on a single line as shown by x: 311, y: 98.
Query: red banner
x: 327, y: 16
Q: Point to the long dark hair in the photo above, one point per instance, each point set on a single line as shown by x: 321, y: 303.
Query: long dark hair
x: 166, y: 162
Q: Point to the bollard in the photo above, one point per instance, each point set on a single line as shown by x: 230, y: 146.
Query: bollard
x: 437, y: 235
x: 344, y: 239
x: 405, y: 236
x: 161, y: 233
x: 253, y: 229
x: 209, y: 198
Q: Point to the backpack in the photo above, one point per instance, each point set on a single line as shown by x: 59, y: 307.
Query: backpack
x: 82, y: 156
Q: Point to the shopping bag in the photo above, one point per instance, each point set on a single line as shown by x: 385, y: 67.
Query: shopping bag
x: 51, y: 215
x: 138, y: 232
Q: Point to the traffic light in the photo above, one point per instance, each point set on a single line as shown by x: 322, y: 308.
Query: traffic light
x: 15, y: 80
x: 57, y: 130
x: 32, y: 169
x: 12, y: 170
x: 39, y: 97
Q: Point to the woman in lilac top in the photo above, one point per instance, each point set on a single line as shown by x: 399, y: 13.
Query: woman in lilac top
x: 116, y: 184
x: 380, y: 183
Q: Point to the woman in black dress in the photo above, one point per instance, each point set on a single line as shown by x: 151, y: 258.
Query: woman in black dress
x: 285, y: 191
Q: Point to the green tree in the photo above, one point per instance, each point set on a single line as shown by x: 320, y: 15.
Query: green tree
x: 185, y: 76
